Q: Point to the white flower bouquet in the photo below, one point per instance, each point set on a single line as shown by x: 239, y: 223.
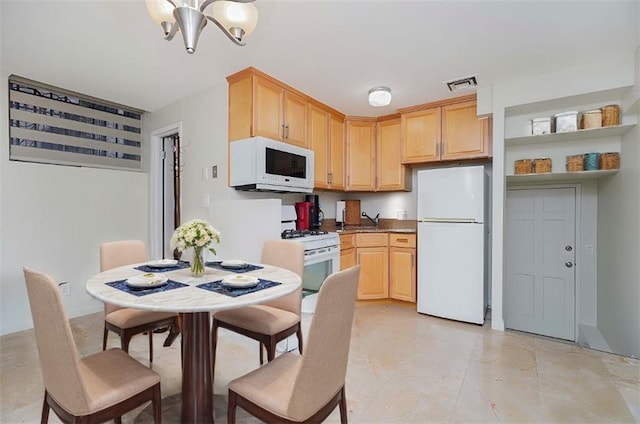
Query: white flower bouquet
x: 198, y: 234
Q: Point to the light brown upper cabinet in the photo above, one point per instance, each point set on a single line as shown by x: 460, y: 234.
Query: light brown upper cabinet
x: 261, y: 105
x: 361, y: 150
x: 336, y: 153
x: 326, y: 139
x: 392, y: 175
x: 464, y: 136
x: 449, y: 130
x: 421, y: 135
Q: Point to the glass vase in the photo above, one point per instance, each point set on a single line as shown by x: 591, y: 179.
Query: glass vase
x: 197, y: 263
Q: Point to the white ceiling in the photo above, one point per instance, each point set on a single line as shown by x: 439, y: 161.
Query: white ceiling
x: 332, y: 50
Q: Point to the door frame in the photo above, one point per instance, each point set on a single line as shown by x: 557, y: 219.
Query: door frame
x: 155, y: 186
x: 578, y: 242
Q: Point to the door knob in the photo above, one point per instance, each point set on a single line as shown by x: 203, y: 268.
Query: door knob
x: 568, y: 264
x: 568, y: 248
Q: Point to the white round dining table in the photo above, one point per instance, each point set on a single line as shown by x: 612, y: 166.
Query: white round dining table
x: 194, y: 305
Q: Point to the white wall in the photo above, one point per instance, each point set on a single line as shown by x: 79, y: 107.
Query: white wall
x: 53, y: 219
x: 619, y: 245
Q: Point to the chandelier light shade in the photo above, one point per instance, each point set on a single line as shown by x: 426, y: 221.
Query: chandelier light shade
x: 379, y: 96
x: 236, y: 18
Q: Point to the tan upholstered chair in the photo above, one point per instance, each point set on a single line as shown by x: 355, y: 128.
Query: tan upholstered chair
x: 270, y: 322
x: 294, y: 388
x: 127, y: 322
x: 93, y: 389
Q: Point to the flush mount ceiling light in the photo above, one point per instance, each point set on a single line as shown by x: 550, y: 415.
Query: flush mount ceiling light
x: 235, y: 18
x: 462, y: 83
x: 379, y: 96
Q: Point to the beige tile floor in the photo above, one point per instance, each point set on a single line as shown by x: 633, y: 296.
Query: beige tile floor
x: 403, y: 368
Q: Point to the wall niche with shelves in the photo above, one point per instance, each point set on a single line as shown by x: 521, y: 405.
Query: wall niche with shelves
x: 520, y: 144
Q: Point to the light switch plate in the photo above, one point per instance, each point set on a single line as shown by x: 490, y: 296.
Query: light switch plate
x: 205, y: 200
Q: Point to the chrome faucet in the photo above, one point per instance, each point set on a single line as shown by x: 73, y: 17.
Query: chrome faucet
x: 374, y: 220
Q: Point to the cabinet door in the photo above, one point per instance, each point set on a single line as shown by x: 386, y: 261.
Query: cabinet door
x: 391, y: 173
x: 361, y: 156
x: 295, y: 119
x: 421, y: 135
x: 347, y: 258
x: 319, y: 143
x: 336, y: 154
x: 240, y: 108
x: 463, y: 134
x: 374, y: 273
x: 402, y: 274
x: 267, y: 109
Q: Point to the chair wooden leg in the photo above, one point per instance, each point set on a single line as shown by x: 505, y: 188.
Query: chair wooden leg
x: 271, y: 349
x: 150, y: 346
x: 231, y: 407
x: 45, y: 410
x: 343, y: 407
x: 104, y: 337
x: 261, y: 346
x: 117, y: 420
x: 124, y: 342
x: 156, y: 402
x: 299, y: 335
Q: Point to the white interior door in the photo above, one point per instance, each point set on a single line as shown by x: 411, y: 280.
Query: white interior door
x: 540, y: 261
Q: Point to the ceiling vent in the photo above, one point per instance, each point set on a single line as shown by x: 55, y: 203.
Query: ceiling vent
x: 462, y: 83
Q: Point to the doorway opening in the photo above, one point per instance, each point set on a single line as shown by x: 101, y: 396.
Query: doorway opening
x: 165, y: 189
x: 170, y: 192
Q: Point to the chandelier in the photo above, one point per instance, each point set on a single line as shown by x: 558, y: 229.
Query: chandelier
x: 235, y: 18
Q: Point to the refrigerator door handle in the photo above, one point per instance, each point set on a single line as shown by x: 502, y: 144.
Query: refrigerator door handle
x: 452, y: 220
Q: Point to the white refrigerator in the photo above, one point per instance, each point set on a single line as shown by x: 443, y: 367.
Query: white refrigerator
x: 452, y: 213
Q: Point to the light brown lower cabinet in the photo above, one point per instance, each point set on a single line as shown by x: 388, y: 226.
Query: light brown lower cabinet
x: 402, y: 267
x: 387, y: 264
x: 374, y: 272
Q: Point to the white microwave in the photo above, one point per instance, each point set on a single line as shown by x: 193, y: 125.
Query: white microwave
x: 261, y: 164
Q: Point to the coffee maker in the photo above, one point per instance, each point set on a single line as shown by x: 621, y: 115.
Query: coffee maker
x: 303, y: 212
x: 315, y: 213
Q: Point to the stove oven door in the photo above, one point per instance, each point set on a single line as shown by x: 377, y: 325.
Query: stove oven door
x: 318, y: 265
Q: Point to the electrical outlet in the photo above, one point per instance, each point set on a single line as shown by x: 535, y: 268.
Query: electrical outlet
x: 205, y: 200
x: 65, y: 288
x: 214, y: 171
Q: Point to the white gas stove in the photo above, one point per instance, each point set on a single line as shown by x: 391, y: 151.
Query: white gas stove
x: 321, y: 255
x: 315, y: 242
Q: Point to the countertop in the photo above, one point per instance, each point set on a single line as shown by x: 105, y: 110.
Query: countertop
x: 384, y: 226
x: 376, y: 230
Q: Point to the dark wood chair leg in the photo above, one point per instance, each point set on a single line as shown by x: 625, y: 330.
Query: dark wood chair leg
x: 343, y: 407
x: 104, y: 337
x: 117, y: 420
x: 231, y: 407
x: 271, y: 349
x: 261, y: 347
x: 150, y: 346
x: 45, y: 410
x: 124, y: 342
x: 299, y: 335
x: 156, y: 402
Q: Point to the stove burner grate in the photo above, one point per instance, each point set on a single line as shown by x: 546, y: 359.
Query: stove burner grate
x: 288, y: 234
